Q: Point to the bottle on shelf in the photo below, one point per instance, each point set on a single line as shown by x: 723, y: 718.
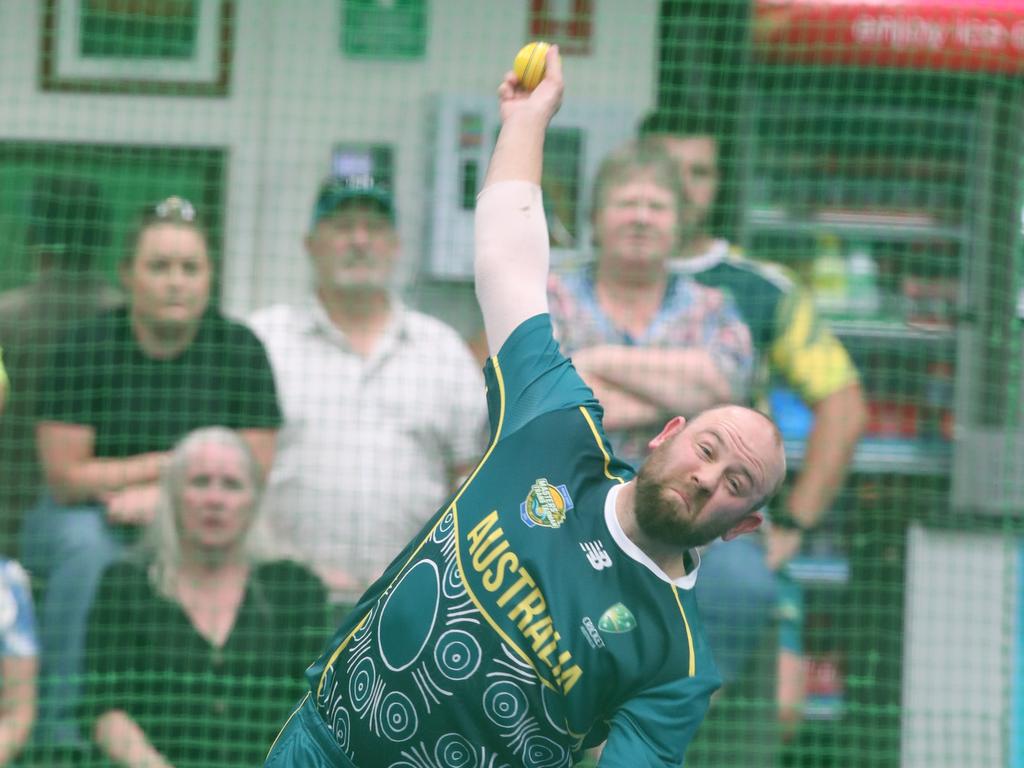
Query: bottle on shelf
x: 862, y: 281
x: 828, y: 274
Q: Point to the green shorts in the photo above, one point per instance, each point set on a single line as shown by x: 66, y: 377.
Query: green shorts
x: 305, y: 742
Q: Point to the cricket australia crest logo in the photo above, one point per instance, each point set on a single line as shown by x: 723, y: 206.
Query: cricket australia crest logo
x: 545, y: 504
x: 617, y: 619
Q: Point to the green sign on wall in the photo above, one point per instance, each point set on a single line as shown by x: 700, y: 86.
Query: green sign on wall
x: 126, y: 179
x: 167, y: 29
x: 384, y: 29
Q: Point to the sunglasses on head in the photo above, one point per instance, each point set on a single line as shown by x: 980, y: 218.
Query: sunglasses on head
x: 173, y: 208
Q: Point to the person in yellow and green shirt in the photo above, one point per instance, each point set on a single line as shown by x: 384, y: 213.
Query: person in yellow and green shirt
x: 792, y: 344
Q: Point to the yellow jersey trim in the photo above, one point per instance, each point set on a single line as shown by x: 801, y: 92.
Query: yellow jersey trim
x: 285, y: 726
x: 498, y: 630
x: 600, y: 445
x: 689, y: 636
x: 472, y: 596
x: 462, y: 571
x: 451, y: 508
x: 806, y: 351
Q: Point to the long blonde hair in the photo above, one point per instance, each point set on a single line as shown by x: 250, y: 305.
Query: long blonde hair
x: 161, y: 544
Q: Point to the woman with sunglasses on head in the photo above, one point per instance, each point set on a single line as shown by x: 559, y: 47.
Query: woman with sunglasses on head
x: 121, y: 390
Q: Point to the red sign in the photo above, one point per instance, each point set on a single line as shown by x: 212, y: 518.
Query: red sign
x: 569, y: 23
x: 986, y: 35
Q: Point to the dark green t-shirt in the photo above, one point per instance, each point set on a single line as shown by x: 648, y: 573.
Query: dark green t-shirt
x: 202, y: 705
x: 522, y: 625
x: 99, y: 376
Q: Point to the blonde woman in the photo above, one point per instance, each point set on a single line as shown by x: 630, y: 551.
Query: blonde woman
x: 197, y: 644
x: 120, y: 390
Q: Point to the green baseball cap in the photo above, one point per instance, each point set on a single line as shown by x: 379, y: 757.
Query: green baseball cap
x: 335, y: 191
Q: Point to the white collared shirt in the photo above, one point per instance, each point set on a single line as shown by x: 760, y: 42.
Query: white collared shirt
x: 626, y: 544
x: 368, y: 445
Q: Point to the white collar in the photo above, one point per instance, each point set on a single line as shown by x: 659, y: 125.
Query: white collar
x: 315, y: 317
x: 715, y: 253
x: 632, y: 550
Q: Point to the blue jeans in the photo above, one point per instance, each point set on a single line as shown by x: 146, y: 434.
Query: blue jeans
x: 737, y: 595
x: 66, y: 549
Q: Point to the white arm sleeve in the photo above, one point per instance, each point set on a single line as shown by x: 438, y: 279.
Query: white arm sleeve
x: 512, y: 255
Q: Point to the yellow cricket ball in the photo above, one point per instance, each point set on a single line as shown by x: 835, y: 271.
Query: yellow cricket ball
x: 529, y: 64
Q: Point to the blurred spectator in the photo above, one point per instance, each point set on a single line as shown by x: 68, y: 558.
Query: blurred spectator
x: 19, y: 662
x: 121, y: 390
x: 384, y: 407
x: 649, y: 342
x: 68, y: 227
x: 197, y: 645
x: 738, y: 591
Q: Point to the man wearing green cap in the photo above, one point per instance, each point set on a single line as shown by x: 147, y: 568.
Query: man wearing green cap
x: 383, y: 405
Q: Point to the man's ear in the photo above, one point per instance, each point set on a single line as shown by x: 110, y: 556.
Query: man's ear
x: 748, y: 524
x: 672, y: 426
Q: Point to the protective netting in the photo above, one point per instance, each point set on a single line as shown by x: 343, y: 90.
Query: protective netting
x: 258, y: 215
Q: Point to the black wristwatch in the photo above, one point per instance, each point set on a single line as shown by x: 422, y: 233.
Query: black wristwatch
x: 787, y: 522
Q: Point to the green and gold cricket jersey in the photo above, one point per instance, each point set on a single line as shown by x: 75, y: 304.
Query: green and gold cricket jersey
x: 522, y: 625
x: 789, y: 336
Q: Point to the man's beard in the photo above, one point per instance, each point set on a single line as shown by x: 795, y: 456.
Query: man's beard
x: 661, y: 515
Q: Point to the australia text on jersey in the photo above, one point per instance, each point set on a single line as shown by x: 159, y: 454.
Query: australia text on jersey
x: 487, y: 545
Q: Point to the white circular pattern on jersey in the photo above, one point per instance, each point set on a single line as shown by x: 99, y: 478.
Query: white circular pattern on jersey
x: 455, y: 751
x: 361, y: 682
x: 542, y: 752
x: 398, y: 719
x: 452, y: 585
x: 505, y: 704
x: 400, y: 648
x: 457, y: 654
x: 341, y: 727
x: 445, y: 528
x: 366, y: 626
x: 548, y: 698
x: 324, y: 695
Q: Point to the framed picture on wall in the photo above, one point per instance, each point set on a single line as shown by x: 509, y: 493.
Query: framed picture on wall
x: 384, y: 29
x: 166, y: 47
x: 569, y: 23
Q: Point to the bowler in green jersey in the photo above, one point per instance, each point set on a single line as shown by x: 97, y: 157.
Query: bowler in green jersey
x: 549, y: 606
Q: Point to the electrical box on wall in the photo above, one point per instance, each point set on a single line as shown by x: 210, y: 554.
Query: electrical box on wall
x: 364, y: 159
x: 464, y: 130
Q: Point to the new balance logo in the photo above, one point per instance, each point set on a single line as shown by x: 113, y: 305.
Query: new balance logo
x: 596, y: 555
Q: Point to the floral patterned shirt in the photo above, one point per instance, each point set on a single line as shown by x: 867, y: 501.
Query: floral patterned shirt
x: 691, y: 316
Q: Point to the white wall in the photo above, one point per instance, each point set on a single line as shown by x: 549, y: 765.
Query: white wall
x: 294, y: 95
x: 960, y: 630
